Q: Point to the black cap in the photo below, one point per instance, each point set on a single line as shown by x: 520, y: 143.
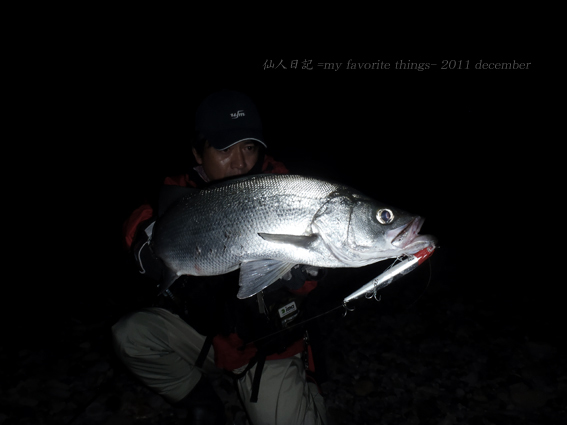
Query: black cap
x: 228, y: 117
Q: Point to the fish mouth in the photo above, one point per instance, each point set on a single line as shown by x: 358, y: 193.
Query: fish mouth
x: 407, y: 237
x: 404, y: 235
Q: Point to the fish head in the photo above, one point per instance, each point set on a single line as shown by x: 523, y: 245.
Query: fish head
x: 359, y: 230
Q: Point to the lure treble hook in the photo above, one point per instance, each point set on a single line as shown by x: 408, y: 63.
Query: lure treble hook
x: 346, y: 309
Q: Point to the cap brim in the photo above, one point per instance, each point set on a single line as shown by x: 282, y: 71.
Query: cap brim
x: 224, y: 140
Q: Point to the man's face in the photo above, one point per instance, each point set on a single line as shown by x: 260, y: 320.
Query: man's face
x: 233, y: 161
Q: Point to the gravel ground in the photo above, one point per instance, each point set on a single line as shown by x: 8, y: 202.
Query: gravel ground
x: 424, y: 354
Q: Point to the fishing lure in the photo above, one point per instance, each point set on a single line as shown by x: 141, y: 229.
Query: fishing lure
x: 405, y: 266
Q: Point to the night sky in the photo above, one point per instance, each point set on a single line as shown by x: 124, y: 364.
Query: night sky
x: 457, y: 146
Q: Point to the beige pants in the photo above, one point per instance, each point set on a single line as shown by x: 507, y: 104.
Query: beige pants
x: 161, y: 349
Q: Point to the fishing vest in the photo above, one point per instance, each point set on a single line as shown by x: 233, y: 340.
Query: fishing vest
x: 245, y: 332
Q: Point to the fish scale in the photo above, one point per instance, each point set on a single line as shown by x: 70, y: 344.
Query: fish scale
x: 267, y: 224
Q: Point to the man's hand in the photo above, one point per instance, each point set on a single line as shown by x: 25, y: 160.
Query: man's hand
x: 296, y: 277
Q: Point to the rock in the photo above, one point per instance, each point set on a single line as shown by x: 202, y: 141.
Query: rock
x: 449, y: 419
x: 91, y: 357
x: 540, y: 351
x: 503, y: 395
x: 426, y: 392
x: 526, y: 398
x: 97, y: 411
x: 24, y: 353
x: 58, y: 389
x: 157, y: 402
x: 121, y: 419
x: 471, y: 378
x: 418, y: 366
x: 479, y: 396
x: 363, y: 387
x: 540, y: 378
x: 180, y: 413
x: 28, y: 401
x: 57, y: 407
x: 101, y: 367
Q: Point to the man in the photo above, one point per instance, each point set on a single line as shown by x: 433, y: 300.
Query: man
x: 168, y: 346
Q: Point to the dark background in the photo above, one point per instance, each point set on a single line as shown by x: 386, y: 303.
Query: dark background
x: 96, y: 124
x: 102, y: 127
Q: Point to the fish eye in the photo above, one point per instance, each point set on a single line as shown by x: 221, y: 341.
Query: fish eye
x: 385, y: 216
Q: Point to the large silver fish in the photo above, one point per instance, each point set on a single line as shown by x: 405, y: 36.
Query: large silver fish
x: 266, y: 224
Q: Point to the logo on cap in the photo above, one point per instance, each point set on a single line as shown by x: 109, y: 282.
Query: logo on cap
x: 239, y: 113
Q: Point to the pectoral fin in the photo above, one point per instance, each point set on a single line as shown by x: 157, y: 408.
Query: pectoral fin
x: 300, y: 241
x: 259, y: 274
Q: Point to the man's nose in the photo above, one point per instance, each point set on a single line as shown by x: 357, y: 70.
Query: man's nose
x: 238, y: 160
